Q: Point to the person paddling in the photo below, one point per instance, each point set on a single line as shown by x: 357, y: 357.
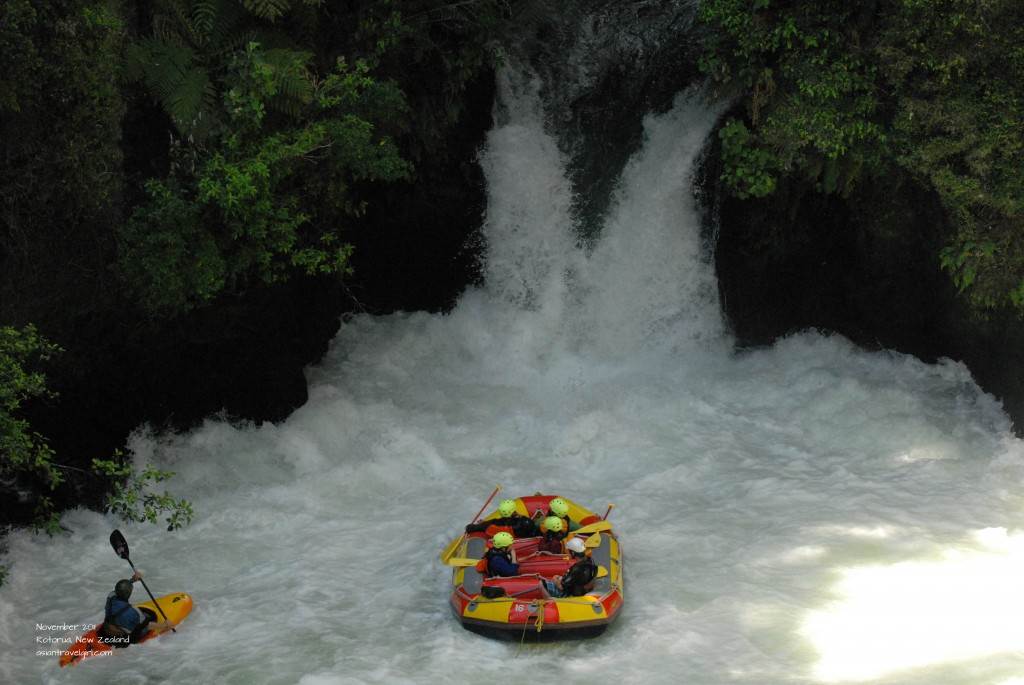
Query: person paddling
x: 500, y: 559
x: 560, y: 508
x: 509, y: 521
x: 124, y: 624
x: 578, y: 580
x: 554, y: 533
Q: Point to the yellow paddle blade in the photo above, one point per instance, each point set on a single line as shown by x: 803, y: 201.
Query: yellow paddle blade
x: 593, y: 542
x: 601, y: 571
x: 461, y: 561
x: 449, y: 551
x: 592, y: 528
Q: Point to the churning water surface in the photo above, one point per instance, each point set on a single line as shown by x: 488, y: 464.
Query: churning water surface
x: 806, y: 513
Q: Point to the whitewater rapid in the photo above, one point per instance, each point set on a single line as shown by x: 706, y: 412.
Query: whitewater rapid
x: 806, y: 513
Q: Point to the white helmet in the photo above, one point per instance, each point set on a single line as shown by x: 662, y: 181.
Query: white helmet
x: 576, y: 545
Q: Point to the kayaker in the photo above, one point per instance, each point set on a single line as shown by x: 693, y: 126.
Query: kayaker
x: 553, y: 532
x: 124, y: 624
x: 578, y: 580
x: 500, y: 559
x: 560, y: 508
x: 509, y: 521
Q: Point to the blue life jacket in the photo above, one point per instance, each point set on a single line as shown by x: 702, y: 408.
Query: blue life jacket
x: 500, y: 564
x: 121, y: 613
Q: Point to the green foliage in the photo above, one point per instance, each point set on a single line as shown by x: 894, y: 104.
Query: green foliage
x: 179, y: 62
x: 268, y: 198
x: 809, y: 88
x: 836, y: 90
x: 132, y: 499
x: 25, y: 456
x: 168, y: 255
x: 435, y: 48
x: 23, y: 451
x: 278, y: 138
x: 750, y: 171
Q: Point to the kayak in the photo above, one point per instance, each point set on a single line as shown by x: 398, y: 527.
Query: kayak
x: 176, y: 606
x: 511, y: 606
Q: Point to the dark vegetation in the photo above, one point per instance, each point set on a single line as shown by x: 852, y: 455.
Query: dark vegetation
x: 836, y: 96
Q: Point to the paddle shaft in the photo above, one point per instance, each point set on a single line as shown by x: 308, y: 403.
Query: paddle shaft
x: 496, y: 489
x: 610, y: 507
x: 155, y: 603
x: 450, y: 550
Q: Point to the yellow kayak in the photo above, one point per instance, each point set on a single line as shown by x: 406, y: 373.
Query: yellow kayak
x: 175, y: 606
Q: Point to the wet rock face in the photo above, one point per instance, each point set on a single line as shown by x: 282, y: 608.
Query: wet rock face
x: 605, y: 64
x: 865, y: 267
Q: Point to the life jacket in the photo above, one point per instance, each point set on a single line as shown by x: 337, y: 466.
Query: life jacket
x: 551, y: 542
x: 579, y: 579
x: 483, y: 566
x: 493, y: 530
x: 110, y: 629
x: 518, y: 526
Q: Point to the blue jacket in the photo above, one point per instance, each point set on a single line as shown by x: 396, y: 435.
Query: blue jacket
x: 121, y: 613
x: 499, y: 565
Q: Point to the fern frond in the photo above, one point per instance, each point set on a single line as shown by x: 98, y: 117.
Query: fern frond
x: 204, y: 16
x: 185, y: 101
x: 267, y: 9
x: 166, y: 30
x: 182, y: 21
x: 233, y: 42
x: 294, y: 80
x: 229, y: 20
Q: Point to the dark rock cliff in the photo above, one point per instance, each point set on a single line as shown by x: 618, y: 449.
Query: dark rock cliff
x: 866, y: 267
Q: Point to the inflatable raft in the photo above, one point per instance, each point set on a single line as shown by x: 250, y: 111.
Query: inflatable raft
x: 515, y: 605
x: 176, y: 606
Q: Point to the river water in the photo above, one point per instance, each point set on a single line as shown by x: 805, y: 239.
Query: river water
x: 805, y: 513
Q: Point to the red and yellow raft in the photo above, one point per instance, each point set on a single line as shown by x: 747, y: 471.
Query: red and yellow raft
x: 522, y: 606
x: 175, y: 606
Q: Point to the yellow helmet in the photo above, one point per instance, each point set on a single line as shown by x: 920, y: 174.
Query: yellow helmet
x: 559, y: 507
x: 553, y: 524
x: 502, y: 540
x: 507, y: 507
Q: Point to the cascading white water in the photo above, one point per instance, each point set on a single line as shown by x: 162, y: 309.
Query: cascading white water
x: 806, y: 513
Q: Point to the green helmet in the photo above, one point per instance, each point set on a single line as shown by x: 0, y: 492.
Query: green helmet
x: 502, y: 540
x: 554, y: 524
x: 559, y: 507
x: 507, y: 507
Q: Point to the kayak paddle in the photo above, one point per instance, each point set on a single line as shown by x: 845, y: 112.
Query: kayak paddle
x: 120, y: 546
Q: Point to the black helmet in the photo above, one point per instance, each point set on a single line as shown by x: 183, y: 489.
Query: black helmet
x: 123, y: 589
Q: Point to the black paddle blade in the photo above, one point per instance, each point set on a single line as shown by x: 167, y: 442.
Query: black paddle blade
x: 119, y: 544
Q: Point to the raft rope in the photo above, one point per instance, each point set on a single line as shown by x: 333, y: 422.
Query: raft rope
x: 539, y: 621
x: 522, y: 638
